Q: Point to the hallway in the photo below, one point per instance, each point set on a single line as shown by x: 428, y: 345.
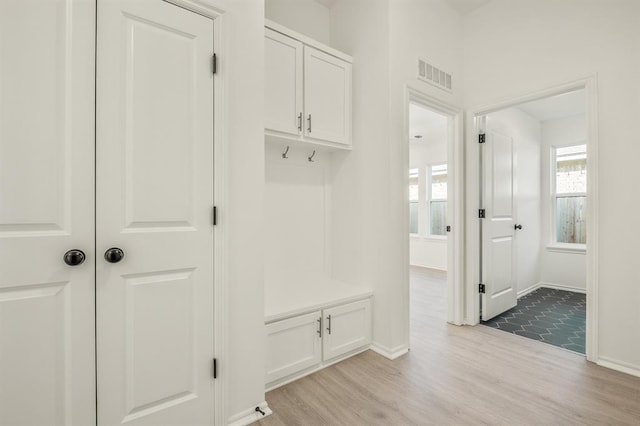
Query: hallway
x: 458, y: 375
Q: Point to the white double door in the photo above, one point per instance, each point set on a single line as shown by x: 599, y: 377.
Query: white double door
x: 135, y: 333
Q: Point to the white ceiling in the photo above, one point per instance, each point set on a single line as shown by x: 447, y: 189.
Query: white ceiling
x: 462, y: 6
x: 430, y: 125
x: 555, y: 107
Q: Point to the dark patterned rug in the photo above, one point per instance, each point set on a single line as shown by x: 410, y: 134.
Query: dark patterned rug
x: 552, y: 316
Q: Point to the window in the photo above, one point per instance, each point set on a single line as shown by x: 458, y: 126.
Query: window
x: 570, y: 194
x: 414, y: 208
x: 438, y: 200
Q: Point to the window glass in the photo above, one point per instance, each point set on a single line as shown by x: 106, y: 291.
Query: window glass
x: 571, y: 191
x: 414, y: 192
x: 438, y: 200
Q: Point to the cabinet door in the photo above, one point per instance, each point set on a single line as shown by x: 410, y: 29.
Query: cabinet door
x: 327, y: 97
x: 293, y: 345
x: 283, y: 83
x: 347, y: 327
x: 47, y: 346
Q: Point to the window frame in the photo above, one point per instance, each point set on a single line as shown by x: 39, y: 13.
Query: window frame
x: 554, y: 245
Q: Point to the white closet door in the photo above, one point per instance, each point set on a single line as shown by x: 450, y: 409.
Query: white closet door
x: 283, y: 88
x: 155, y: 195
x: 327, y: 102
x: 47, y: 356
x: 498, y: 243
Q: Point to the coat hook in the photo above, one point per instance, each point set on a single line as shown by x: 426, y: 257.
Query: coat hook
x: 311, y: 158
x: 284, y: 154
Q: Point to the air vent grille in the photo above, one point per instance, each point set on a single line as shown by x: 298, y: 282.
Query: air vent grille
x: 434, y: 75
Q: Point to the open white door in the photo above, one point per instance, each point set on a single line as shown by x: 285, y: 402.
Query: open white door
x: 154, y: 180
x: 47, y: 361
x: 497, y: 228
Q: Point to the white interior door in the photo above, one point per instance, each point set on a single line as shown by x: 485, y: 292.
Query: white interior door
x: 154, y: 180
x: 283, y: 91
x: 47, y: 361
x: 498, y: 244
x: 327, y: 96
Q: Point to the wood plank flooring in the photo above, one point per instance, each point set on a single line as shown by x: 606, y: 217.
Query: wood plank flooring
x: 459, y: 376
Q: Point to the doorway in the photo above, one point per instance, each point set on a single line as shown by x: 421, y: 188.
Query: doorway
x: 534, y: 216
x: 434, y: 175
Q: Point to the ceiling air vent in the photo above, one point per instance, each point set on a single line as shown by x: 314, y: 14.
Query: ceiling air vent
x: 434, y: 75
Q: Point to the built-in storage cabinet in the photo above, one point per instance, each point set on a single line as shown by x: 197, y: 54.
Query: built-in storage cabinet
x: 307, y: 91
x: 283, y: 91
x: 327, y: 97
x: 296, y: 345
x: 293, y: 345
x: 347, y: 327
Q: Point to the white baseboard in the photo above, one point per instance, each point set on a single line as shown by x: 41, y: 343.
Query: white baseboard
x: 550, y: 285
x: 623, y: 367
x: 392, y: 354
x: 250, y: 415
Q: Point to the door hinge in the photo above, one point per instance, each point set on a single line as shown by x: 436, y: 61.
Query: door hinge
x: 215, y: 215
x: 215, y: 368
x: 214, y: 63
x: 481, y: 138
x: 481, y: 213
x: 481, y: 288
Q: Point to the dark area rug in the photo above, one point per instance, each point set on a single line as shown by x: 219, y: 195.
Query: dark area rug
x: 552, y: 316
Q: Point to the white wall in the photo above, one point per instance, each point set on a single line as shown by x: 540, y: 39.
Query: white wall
x: 527, y: 136
x: 307, y: 17
x: 514, y: 47
x: 425, y: 251
x: 561, y: 269
x: 297, y: 207
x: 370, y: 197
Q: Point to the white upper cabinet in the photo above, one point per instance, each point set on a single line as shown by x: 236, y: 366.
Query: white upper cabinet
x: 307, y: 90
x: 327, y: 97
x: 283, y: 91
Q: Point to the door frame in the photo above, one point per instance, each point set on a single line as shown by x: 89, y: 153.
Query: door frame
x: 473, y: 126
x: 221, y: 102
x: 455, y: 199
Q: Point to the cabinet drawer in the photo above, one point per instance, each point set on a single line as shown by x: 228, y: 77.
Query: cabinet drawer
x: 292, y: 345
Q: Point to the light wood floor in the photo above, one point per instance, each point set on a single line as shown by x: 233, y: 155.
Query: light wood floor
x: 458, y: 376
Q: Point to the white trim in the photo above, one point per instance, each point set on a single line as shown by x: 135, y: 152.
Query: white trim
x: 250, y: 415
x: 589, y: 84
x: 221, y: 102
x: 391, y: 354
x: 435, y: 268
x: 567, y: 248
x: 551, y: 285
x: 623, y: 367
x: 455, y: 200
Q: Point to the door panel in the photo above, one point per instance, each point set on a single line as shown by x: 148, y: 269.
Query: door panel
x: 293, y: 345
x: 47, y: 360
x: 498, y: 247
x: 327, y: 103
x: 283, y: 93
x: 155, y: 196
x: 347, y: 327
